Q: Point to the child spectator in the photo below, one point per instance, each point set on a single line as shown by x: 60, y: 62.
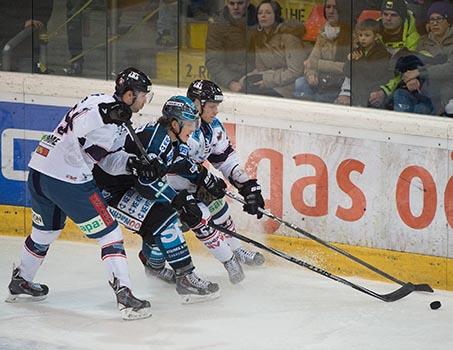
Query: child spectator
x: 413, y: 96
x: 367, y: 65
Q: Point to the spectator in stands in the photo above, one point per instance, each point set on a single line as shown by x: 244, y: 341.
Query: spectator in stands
x: 278, y: 53
x: 14, y: 17
x: 415, y: 95
x: 323, y: 74
x: 368, y: 65
x: 74, y: 30
x: 226, y: 43
x: 399, y: 32
x: 436, y: 51
x: 167, y: 23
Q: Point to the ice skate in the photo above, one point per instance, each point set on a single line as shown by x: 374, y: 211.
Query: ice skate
x: 22, y: 290
x: 131, y: 308
x: 163, y: 273
x: 234, y: 269
x: 249, y: 257
x: 194, y: 289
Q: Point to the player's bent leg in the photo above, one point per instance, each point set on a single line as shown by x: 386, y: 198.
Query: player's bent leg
x: 34, y: 250
x: 154, y: 263
x: 214, y: 240
x: 220, y: 216
x: 190, y: 287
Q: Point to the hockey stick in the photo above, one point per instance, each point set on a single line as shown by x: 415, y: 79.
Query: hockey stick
x: 418, y: 287
x: 137, y: 141
x: 406, y: 288
x: 400, y: 293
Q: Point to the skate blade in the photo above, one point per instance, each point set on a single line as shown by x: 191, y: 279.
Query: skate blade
x: 23, y: 298
x: 129, y: 314
x: 195, y: 298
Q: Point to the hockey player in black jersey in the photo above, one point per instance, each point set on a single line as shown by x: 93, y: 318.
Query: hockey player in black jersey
x: 146, y: 204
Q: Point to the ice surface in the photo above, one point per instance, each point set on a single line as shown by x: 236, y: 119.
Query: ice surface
x: 276, y: 307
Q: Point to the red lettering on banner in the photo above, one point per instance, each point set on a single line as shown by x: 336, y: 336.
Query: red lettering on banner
x: 403, y: 199
x: 101, y: 209
x: 358, y: 207
x: 231, y: 132
x: 319, y: 180
x: 448, y: 202
x: 275, y: 202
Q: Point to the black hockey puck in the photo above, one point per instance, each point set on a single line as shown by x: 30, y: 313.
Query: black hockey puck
x: 435, y: 305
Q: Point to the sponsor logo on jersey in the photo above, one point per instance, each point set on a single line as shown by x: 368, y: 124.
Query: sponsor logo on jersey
x: 36, y: 218
x: 126, y: 220
x: 165, y: 142
x: 101, y: 209
x: 93, y: 226
x: 50, y: 140
x: 42, y: 151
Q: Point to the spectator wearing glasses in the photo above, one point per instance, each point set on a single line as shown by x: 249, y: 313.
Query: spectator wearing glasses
x: 436, y: 51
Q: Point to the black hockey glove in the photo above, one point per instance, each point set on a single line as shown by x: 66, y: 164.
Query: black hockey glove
x: 115, y: 112
x: 140, y: 167
x: 251, y: 192
x: 215, y: 186
x: 187, y: 207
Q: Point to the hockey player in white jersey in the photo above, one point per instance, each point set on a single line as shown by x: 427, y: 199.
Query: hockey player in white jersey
x: 150, y: 207
x: 61, y: 185
x: 210, y: 143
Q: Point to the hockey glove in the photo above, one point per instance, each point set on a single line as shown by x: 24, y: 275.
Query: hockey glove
x: 214, y: 185
x: 189, y: 212
x: 251, y: 192
x: 140, y: 167
x: 115, y: 112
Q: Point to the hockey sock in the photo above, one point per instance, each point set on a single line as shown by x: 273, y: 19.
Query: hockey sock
x: 215, y: 241
x: 174, y: 247
x: 228, y: 223
x: 114, y: 256
x: 34, y: 251
x: 154, y: 257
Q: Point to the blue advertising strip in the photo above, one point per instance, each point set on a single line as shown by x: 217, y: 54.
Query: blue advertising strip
x: 16, y: 145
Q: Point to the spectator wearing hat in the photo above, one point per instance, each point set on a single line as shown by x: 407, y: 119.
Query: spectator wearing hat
x: 436, y: 50
x: 399, y: 31
x: 413, y: 96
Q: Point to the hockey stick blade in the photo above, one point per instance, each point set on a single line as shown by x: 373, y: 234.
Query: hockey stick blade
x: 417, y: 287
x: 400, y: 293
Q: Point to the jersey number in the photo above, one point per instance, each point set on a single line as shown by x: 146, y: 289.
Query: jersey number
x: 68, y: 120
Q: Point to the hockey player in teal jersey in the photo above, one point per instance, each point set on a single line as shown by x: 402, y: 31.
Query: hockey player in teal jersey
x: 151, y: 207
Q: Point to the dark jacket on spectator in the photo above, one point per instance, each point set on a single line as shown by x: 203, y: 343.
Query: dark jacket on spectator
x: 368, y: 73
x: 226, y: 45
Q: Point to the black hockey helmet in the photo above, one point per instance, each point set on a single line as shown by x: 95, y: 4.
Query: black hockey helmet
x: 132, y: 79
x: 205, y: 91
x: 182, y: 109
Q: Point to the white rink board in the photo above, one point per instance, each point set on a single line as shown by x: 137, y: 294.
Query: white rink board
x: 386, y: 144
